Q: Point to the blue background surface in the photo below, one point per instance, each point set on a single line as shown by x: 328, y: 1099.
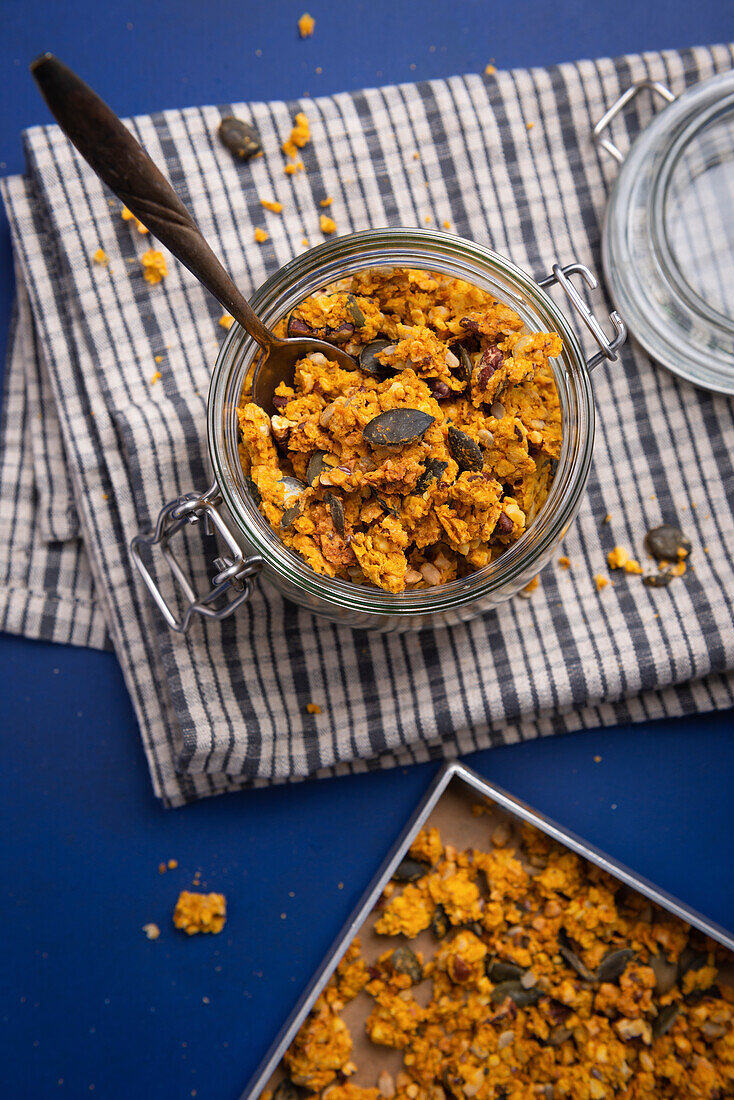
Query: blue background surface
x: 88, y: 1006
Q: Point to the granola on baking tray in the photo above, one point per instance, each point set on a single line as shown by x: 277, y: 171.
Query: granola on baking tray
x: 427, y: 461
x: 543, y: 977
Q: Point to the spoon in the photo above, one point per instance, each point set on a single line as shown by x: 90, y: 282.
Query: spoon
x: 120, y: 162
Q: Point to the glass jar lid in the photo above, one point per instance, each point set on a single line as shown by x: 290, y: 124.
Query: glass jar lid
x: 668, y: 248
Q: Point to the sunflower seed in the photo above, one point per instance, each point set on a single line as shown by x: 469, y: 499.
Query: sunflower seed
x: 404, y: 961
x: 396, y: 427
x: 464, y: 451
x: 242, y: 139
x: 665, y: 541
x: 410, y: 870
x: 434, y: 470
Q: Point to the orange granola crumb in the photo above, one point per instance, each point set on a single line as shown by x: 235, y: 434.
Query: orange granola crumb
x: 619, y: 558
x: 529, y: 125
x: 304, y: 242
x: 200, y: 912
x: 100, y: 257
x: 151, y: 930
x: 162, y: 868
x: 128, y: 216
x: 261, y: 235
x: 156, y: 378
x: 291, y: 169
x: 447, y: 224
x: 531, y: 585
x: 276, y: 207
x: 428, y: 219
x: 226, y: 320
x: 600, y: 581
x: 328, y: 225
x: 158, y: 359
x: 172, y: 864
x: 490, y: 70
x: 679, y: 569
x: 300, y: 136
x: 313, y: 708
x: 564, y: 562
x: 327, y: 201
x: 154, y: 266
x: 306, y: 25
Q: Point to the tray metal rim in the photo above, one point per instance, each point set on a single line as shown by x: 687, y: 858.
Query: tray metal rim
x: 451, y: 771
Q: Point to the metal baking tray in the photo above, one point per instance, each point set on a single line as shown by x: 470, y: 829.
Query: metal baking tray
x: 454, y: 784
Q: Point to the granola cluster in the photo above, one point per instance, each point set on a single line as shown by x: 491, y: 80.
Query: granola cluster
x: 546, y: 978
x: 431, y: 457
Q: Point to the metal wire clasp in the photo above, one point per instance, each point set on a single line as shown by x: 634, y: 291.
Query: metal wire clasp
x: 626, y: 96
x: 234, y: 572
x: 609, y: 348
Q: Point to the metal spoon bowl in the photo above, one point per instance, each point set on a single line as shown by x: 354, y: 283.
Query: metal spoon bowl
x: 120, y: 162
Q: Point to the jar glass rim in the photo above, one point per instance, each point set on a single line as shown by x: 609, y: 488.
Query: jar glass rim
x: 456, y: 257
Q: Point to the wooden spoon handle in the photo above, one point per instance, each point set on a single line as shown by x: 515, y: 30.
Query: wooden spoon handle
x: 120, y: 162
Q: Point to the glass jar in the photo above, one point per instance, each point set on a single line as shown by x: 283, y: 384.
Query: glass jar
x: 252, y: 544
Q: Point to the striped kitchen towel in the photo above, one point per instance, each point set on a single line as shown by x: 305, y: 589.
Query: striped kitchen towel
x: 104, y: 422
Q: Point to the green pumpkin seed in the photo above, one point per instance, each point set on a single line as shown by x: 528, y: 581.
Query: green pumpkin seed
x: 666, y: 974
x: 404, y: 961
x: 368, y: 362
x: 464, y: 369
x: 315, y: 466
x: 664, y: 1020
x: 439, y: 922
x: 434, y: 470
x: 691, y: 959
x: 355, y: 312
x: 291, y: 514
x: 242, y: 139
x: 410, y: 870
x: 385, y: 506
x: 573, y: 960
x: 614, y: 964
x: 665, y: 541
x: 286, y: 1090
x: 499, y: 971
x: 396, y: 427
x: 464, y: 451
x: 522, y: 997
x: 254, y: 491
x: 336, y: 510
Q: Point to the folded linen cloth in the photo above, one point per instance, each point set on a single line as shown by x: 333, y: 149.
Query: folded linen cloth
x: 91, y: 448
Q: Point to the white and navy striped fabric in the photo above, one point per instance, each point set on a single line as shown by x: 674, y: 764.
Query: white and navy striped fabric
x: 91, y: 450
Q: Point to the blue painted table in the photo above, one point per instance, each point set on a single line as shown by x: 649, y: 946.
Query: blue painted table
x: 88, y: 1005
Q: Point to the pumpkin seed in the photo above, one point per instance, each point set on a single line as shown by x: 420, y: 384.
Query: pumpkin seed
x: 439, y: 922
x: 291, y: 514
x: 286, y: 1090
x: 657, y: 580
x: 499, y: 971
x: 664, y: 1020
x: 464, y: 451
x: 242, y: 139
x: 410, y: 870
x: 558, y: 1036
x: 315, y: 466
x: 355, y: 312
x: 522, y: 997
x: 666, y: 974
x: 367, y: 359
x: 573, y: 960
x: 464, y: 368
x: 336, y: 510
x: 691, y: 959
x: 697, y: 995
x: 254, y: 491
x: 434, y: 471
x: 404, y: 961
x: 396, y: 427
x: 665, y: 541
x: 385, y: 506
x: 614, y: 964
x: 554, y: 464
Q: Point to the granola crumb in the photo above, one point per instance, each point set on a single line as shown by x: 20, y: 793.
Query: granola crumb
x: 306, y: 25
x: 313, y: 708
x: 327, y: 201
x: 196, y: 912
x: 156, y: 378
x: 151, y: 930
x: 162, y: 868
x: 529, y: 587
x: 100, y: 257
x: 172, y: 864
x: 600, y: 581
x: 490, y: 70
x: 226, y: 320
x: 679, y: 569
x: 261, y: 235
x: 291, y: 169
x: 318, y: 70
x: 597, y: 760
x: 529, y: 125
x: 607, y: 518
x: 564, y: 562
x: 154, y: 266
x: 327, y: 224
x: 269, y: 204
x: 128, y: 216
x: 300, y: 136
x: 428, y: 219
x: 304, y: 242
x: 447, y: 224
